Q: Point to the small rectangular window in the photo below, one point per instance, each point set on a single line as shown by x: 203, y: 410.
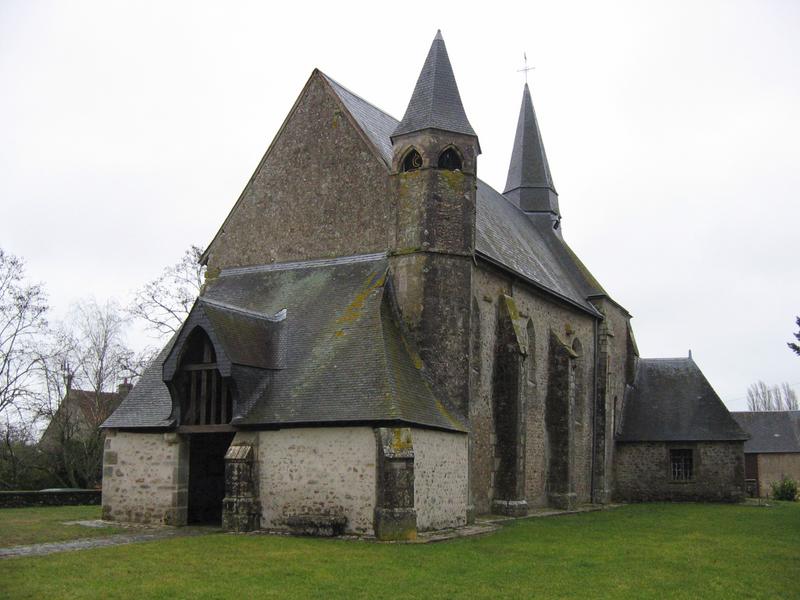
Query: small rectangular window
x: 682, y: 465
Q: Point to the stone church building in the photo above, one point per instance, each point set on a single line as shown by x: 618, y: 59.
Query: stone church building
x: 386, y: 344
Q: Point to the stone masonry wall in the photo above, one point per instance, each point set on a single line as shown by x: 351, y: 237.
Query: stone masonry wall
x: 540, y: 315
x: 440, y: 485
x: 318, y: 471
x: 772, y: 467
x: 145, y: 478
x: 320, y: 192
x: 613, y: 357
x: 642, y: 472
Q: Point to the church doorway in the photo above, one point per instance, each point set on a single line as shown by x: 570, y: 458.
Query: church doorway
x: 207, y: 476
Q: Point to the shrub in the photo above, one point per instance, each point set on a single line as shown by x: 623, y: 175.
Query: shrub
x: 784, y: 489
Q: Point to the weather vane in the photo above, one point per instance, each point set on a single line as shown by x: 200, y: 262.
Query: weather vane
x: 526, y: 68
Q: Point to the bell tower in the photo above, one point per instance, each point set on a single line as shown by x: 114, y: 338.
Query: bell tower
x: 434, y: 166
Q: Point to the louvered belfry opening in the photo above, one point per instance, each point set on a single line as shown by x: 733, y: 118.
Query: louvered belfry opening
x: 206, y: 396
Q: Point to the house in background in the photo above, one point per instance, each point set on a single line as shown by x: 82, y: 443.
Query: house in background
x: 72, y: 443
x: 773, y: 449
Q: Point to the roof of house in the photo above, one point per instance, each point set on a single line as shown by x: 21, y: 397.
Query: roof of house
x: 348, y: 361
x: 524, y: 244
x: 671, y: 400
x: 773, y: 431
x: 88, y: 407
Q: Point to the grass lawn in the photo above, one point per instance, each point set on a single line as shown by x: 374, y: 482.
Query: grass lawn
x: 638, y: 551
x: 44, y: 524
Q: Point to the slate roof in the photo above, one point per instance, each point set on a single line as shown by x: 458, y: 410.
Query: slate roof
x: 524, y: 244
x: 529, y: 167
x: 148, y: 404
x: 774, y: 431
x: 435, y: 102
x: 672, y: 401
x: 528, y: 245
x: 347, y: 361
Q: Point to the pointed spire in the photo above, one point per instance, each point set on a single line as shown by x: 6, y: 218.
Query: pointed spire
x: 435, y: 103
x: 529, y: 182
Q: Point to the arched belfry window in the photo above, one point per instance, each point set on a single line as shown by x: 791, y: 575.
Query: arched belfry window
x: 412, y: 161
x: 450, y: 160
x: 206, y: 398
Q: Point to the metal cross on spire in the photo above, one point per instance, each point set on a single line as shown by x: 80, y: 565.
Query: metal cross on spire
x: 527, y: 68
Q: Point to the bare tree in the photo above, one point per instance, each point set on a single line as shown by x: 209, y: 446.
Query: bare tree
x: 164, y: 303
x: 23, y: 308
x: 789, y: 397
x: 81, y: 366
x: 761, y: 397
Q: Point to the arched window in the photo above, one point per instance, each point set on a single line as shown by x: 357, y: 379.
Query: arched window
x: 412, y: 161
x: 206, y: 397
x: 450, y: 160
x: 531, y: 355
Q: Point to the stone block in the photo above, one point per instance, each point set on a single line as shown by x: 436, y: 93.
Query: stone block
x: 317, y: 525
x: 510, y: 508
x: 241, y: 514
x: 394, y: 524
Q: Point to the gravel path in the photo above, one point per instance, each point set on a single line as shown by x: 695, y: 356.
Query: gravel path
x: 112, y: 540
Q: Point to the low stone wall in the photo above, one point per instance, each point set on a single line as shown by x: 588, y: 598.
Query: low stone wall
x: 61, y: 498
x: 642, y: 472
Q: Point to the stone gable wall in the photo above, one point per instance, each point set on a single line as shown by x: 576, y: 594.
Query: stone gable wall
x: 642, y: 472
x: 145, y: 477
x: 321, y: 192
x: 440, y: 479
x: 318, y: 471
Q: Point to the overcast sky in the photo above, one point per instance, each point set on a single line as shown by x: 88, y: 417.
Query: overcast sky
x: 128, y: 130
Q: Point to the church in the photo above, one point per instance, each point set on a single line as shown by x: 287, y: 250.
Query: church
x: 385, y: 344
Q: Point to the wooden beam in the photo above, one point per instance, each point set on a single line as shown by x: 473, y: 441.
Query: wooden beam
x: 203, y: 399
x: 199, y: 366
x: 205, y: 428
x: 214, y: 401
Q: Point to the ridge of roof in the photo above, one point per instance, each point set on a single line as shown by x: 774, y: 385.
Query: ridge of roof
x: 303, y: 264
x: 277, y: 317
x: 435, y: 102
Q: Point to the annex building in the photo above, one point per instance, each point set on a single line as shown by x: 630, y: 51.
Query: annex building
x: 387, y: 344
